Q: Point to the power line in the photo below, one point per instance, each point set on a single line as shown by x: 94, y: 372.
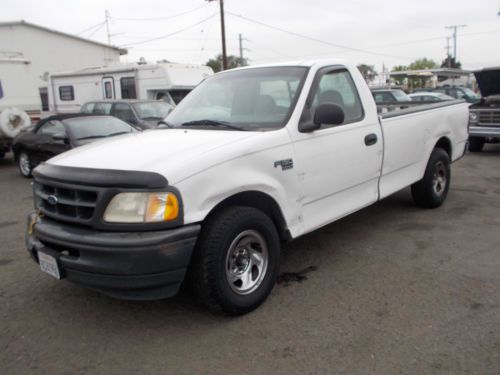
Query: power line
x: 170, y: 34
x: 312, y: 38
x: 161, y: 18
x: 90, y: 28
x: 96, y: 30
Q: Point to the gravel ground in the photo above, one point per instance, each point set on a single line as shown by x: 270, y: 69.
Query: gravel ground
x: 392, y: 289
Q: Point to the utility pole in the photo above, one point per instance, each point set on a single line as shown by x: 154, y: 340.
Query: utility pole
x: 454, y: 28
x: 223, y: 32
x: 106, y: 14
x: 448, y: 56
x: 241, y: 48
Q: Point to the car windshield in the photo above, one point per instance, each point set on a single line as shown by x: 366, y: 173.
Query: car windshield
x: 97, y: 127
x: 471, y: 94
x: 401, y: 96
x: 152, y: 110
x: 250, y: 99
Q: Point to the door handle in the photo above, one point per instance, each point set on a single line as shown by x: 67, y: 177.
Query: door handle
x: 371, y: 139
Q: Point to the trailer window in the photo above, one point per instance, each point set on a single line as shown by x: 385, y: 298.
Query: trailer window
x: 66, y: 93
x: 108, y: 91
x: 128, y: 88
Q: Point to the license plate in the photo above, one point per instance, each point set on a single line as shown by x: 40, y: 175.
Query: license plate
x: 49, y: 264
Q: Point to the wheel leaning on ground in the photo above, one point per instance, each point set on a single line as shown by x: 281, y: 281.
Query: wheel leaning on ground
x: 24, y: 164
x: 476, y: 144
x: 236, y: 260
x: 432, y: 189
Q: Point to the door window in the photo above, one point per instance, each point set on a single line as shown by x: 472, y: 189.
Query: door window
x: 337, y: 87
x: 102, y: 108
x: 108, y: 90
x: 87, y: 108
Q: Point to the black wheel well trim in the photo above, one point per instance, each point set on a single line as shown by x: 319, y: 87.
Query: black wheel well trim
x: 445, y: 144
x: 261, y: 201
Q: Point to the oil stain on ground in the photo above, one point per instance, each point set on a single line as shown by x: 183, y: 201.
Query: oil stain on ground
x: 5, y: 224
x: 285, y: 278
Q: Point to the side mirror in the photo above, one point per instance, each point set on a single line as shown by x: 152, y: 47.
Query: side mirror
x: 60, y: 137
x: 327, y: 113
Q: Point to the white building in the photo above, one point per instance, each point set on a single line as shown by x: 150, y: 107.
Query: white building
x: 50, y: 51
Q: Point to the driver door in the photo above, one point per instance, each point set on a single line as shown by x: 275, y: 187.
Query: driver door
x: 48, y: 147
x: 338, y: 165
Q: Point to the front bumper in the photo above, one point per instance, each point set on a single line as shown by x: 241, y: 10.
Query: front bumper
x: 127, y: 265
x: 484, y: 131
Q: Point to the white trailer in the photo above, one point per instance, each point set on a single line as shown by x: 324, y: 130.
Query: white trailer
x: 168, y: 81
x: 19, y: 97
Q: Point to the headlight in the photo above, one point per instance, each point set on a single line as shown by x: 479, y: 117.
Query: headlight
x: 472, y: 117
x: 142, y: 208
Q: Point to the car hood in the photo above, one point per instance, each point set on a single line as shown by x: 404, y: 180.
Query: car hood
x: 174, y: 153
x: 488, y: 81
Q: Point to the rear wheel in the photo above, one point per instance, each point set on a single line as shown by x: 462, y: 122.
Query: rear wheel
x: 476, y: 144
x: 24, y: 164
x: 236, y: 260
x: 432, y: 189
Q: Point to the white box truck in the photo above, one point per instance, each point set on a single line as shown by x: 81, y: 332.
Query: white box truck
x: 68, y: 91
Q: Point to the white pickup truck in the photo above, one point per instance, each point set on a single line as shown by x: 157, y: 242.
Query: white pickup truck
x: 250, y: 158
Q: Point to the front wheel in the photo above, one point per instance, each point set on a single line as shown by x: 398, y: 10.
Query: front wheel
x: 236, y: 260
x: 24, y: 164
x: 432, y: 189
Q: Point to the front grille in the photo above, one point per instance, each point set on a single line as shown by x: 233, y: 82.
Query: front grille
x: 65, y: 203
x: 489, y: 117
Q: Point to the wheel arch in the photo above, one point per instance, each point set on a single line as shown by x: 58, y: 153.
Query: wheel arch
x: 445, y: 144
x: 260, y: 201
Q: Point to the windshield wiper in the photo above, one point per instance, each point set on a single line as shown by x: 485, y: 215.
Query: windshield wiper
x: 117, y: 133
x: 90, y: 137
x: 212, y: 123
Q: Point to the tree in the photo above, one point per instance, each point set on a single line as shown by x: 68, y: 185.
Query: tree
x: 399, y: 68
x: 450, y: 62
x: 423, y: 63
x: 232, y: 62
x: 368, y: 72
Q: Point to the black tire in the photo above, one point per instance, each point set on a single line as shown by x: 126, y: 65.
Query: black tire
x: 476, y: 144
x: 210, y: 270
x: 432, y: 189
x: 24, y: 164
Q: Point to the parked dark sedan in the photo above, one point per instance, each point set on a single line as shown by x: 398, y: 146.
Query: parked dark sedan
x: 141, y: 114
x: 56, y: 134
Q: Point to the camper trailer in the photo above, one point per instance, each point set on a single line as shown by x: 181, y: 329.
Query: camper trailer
x: 164, y: 81
x: 19, y: 97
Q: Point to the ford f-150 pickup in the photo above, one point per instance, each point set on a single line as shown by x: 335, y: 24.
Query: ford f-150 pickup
x: 250, y: 158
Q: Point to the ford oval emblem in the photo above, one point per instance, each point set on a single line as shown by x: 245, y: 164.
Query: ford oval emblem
x: 52, y: 200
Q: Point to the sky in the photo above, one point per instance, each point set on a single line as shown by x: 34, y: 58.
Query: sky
x: 380, y: 33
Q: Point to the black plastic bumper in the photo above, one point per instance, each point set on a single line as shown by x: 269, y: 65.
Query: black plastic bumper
x: 128, y: 265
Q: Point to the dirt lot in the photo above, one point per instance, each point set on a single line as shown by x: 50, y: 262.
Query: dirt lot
x: 393, y: 290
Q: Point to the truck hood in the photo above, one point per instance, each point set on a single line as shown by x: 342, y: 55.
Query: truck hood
x: 174, y: 153
x: 488, y: 81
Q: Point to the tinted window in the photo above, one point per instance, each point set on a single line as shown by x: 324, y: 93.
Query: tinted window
x: 51, y: 128
x: 97, y: 127
x: 338, y: 87
x: 127, y: 85
x: 382, y: 97
x: 123, y: 112
x: 66, y: 93
x: 1, y: 90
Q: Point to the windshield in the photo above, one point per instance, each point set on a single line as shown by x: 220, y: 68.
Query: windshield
x: 250, y: 99
x: 97, y: 127
x: 470, y: 93
x: 152, y: 110
x: 401, y: 96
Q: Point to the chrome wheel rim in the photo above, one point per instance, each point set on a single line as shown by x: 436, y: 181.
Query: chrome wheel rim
x: 24, y: 164
x: 246, y: 262
x: 439, y: 178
